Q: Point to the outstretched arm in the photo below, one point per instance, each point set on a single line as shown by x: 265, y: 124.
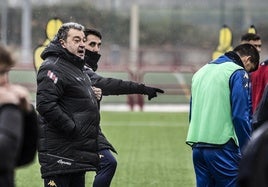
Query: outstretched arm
x: 112, y: 86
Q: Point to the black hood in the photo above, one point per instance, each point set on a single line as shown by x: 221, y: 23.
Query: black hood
x: 91, y: 59
x: 54, y: 48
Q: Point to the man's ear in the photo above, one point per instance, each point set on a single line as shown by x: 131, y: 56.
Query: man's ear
x: 249, y: 59
x: 246, y: 59
x: 62, y: 43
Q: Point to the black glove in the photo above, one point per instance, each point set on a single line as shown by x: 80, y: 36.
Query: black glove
x: 152, y: 92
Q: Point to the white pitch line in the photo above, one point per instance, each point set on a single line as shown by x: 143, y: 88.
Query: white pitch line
x: 146, y: 108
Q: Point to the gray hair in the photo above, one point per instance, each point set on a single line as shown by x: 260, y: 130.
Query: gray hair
x: 64, y: 29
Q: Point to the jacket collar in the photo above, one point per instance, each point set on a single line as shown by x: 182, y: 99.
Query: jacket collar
x: 235, y: 58
x: 55, y: 49
x: 230, y: 56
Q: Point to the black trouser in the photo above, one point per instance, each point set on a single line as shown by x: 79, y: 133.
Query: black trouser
x: 7, y: 179
x: 66, y: 180
x: 106, y: 169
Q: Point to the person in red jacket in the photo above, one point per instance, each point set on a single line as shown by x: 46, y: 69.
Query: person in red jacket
x: 259, y: 78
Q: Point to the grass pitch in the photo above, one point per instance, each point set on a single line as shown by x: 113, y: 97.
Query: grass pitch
x: 151, y: 151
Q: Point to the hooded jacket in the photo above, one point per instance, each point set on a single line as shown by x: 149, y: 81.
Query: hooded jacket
x: 69, y: 114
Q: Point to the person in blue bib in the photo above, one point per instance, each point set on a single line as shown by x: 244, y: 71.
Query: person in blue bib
x: 220, y: 116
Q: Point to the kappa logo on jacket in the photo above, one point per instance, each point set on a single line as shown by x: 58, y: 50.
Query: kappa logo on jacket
x: 52, y: 183
x: 52, y: 76
x: 246, y: 77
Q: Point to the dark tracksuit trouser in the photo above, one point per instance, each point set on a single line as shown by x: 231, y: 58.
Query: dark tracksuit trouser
x: 216, y: 166
x: 66, y: 180
x: 106, y: 170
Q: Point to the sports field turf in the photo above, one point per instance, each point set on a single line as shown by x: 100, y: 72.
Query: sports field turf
x: 151, y: 151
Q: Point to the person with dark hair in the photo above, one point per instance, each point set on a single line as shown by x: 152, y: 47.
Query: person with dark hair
x: 259, y: 78
x: 93, y: 44
x: 18, y: 124
x: 253, y: 39
x: 220, y: 116
x: 109, y: 86
x: 69, y: 112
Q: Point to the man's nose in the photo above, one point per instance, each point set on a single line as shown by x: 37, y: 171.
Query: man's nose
x: 82, y: 43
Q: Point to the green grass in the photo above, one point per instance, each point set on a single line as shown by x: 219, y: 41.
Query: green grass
x: 151, y: 151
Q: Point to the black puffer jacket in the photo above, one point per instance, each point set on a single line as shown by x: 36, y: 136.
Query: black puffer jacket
x: 18, y: 140
x: 111, y: 86
x: 69, y: 115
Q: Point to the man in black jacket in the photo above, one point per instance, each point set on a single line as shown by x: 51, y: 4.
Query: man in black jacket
x: 69, y: 113
x: 18, y: 124
x: 109, y: 86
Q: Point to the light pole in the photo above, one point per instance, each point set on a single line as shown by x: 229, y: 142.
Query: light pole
x: 26, y: 34
x: 134, y: 36
x: 222, y: 12
x: 4, y: 22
